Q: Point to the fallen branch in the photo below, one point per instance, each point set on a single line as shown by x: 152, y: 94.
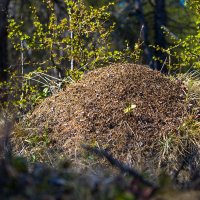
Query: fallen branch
x: 122, y: 167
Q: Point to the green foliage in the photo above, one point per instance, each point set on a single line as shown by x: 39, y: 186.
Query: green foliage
x: 82, y: 36
x: 185, y: 51
x: 194, y: 6
x: 69, y: 46
x: 98, y: 3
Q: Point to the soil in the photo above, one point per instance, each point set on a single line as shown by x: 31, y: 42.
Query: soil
x: 125, y: 108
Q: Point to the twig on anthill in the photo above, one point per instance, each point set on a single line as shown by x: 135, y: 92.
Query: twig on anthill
x: 122, y: 167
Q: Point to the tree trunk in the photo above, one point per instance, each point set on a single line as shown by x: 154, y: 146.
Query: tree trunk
x: 3, y: 47
x: 144, y: 31
x: 3, y: 39
x: 160, y: 20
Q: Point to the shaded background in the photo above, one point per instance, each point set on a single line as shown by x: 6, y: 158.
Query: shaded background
x: 135, y: 20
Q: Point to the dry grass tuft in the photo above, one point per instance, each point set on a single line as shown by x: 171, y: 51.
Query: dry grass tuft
x: 182, y: 148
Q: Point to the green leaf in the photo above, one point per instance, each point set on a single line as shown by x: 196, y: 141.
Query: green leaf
x: 129, y: 108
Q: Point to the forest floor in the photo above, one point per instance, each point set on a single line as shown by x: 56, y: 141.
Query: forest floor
x: 138, y: 115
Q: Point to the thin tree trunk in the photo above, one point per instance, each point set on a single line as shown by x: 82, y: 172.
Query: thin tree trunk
x: 160, y: 20
x: 144, y: 31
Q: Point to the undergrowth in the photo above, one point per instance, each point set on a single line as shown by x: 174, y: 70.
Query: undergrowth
x: 180, y: 150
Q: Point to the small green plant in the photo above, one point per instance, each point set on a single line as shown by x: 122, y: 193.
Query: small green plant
x: 129, y: 108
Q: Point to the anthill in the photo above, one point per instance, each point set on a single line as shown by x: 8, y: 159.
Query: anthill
x: 124, y: 108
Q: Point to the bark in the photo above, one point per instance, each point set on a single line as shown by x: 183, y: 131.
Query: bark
x: 144, y: 31
x: 3, y: 39
x: 160, y: 20
x: 3, y: 47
